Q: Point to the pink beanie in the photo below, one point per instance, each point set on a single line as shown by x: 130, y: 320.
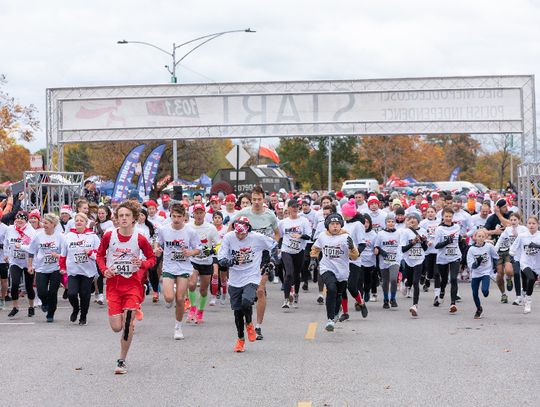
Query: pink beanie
x: 348, y: 209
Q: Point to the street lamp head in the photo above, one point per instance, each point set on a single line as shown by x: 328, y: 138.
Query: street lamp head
x: 249, y: 30
x: 122, y: 42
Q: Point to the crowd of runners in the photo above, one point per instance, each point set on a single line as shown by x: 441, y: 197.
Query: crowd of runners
x: 202, y: 252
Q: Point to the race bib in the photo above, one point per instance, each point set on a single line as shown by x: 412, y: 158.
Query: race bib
x: 81, y: 258
x: 49, y: 259
x: 415, y: 252
x: 391, y: 258
x: 451, y: 251
x: 124, y: 268
x: 177, y: 256
x: 19, y: 254
x: 294, y: 244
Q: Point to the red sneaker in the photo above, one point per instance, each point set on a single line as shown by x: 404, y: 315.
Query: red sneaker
x: 239, y: 347
x: 251, y: 334
x: 199, y: 317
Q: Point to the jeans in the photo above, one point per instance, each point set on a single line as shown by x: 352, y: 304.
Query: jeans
x: 47, y: 290
x: 475, y: 285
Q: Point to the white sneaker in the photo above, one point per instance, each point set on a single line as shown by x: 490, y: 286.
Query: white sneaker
x: 527, y: 305
x: 100, y: 299
x: 403, y: 289
x: 414, y: 311
x: 96, y: 297
x: 518, y: 301
x: 286, y: 304
x: 178, y: 335
x: 2, y: 303
x: 223, y: 299
x: 276, y: 281
x: 409, y: 293
x: 212, y: 302
x: 330, y: 326
x: 373, y: 298
x: 295, y: 302
x: 169, y: 304
x: 37, y: 301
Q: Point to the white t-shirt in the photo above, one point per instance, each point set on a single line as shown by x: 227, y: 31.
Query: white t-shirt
x: 75, y: 249
x: 208, y: 238
x: 415, y: 255
x: 430, y: 226
x: 367, y: 257
x: 3, y: 230
x: 18, y: 257
x: 357, y: 231
x: 450, y: 252
x: 42, y: 247
x: 389, y: 242
x: 508, y: 237
x: 462, y: 219
x: 475, y: 222
x: 247, y: 255
x: 335, y: 254
x: 312, y: 218
x: 378, y: 220
x: 486, y: 252
x: 527, y: 256
x: 288, y: 227
x: 173, y: 241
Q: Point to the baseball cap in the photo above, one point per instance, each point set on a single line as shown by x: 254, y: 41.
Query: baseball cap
x: 501, y: 202
x: 65, y: 209
x: 165, y: 198
x: 199, y: 207
x: 282, y: 191
x: 214, y: 198
x: 230, y: 198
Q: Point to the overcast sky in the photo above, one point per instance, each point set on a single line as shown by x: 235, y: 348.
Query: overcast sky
x: 46, y: 44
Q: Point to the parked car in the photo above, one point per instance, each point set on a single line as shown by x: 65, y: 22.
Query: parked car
x: 366, y: 185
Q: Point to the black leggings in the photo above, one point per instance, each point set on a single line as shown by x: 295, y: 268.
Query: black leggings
x: 16, y: 274
x: 292, y: 269
x: 355, y: 284
x: 239, y: 316
x: 153, y: 275
x: 529, y: 278
x: 517, y: 278
x: 334, y: 292
x: 441, y: 278
x: 413, y: 274
x: 428, y: 271
x: 305, y: 266
x: 47, y: 290
x: 80, y: 286
x: 99, y: 281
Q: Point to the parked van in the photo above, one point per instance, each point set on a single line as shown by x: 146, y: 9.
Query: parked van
x: 366, y: 185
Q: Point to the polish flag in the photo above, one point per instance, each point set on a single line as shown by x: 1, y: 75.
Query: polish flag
x: 270, y: 153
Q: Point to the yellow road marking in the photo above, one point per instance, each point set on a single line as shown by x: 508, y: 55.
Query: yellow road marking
x: 310, y: 334
x: 304, y: 404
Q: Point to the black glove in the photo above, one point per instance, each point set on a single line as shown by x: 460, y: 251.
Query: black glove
x: 533, y: 245
x: 208, y: 251
x: 350, y: 243
x: 477, y: 262
x: 225, y: 262
x: 383, y: 253
x: 269, y: 270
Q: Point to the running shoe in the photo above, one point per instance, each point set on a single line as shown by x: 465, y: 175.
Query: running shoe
x: 425, y: 288
x: 458, y: 298
x: 357, y: 306
x: 96, y: 296
x: 366, y: 296
x: 386, y: 304
x: 223, y: 299
x: 478, y: 313
x: 73, y: 316
x: 509, y: 284
x: 169, y: 304
x: 187, y: 305
x: 260, y: 336
x: 373, y: 298
x: 518, y: 301
x: 393, y: 303
x: 422, y: 280
x: 239, y: 347
x: 192, y: 315
x: 65, y: 294
x: 428, y: 283
x: 213, y: 301
x: 441, y: 296
x: 436, y: 302
x: 305, y: 287
x: 343, y: 317
x: 286, y: 304
x: 414, y: 311
x: 50, y: 318
x: 121, y: 367
x: 409, y: 293
x: 527, y: 305
x: 83, y: 322
x: 403, y: 289
x: 504, y: 299
x: 178, y: 335
x: 364, y: 310
x: 295, y: 302
x: 101, y: 299
x: 199, y: 317
x: 139, y: 315
x: 329, y: 326
x: 44, y: 308
x: 31, y: 312
x: 251, y: 334
x: 155, y: 297
x: 453, y: 309
x: 320, y: 300
x: 13, y: 312
x: 2, y: 303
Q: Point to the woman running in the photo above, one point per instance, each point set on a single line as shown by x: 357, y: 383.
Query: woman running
x: 79, y: 261
x: 480, y: 258
x: 17, y: 237
x: 368, y: 261
x: 220, y: 274
x: 43, y: 254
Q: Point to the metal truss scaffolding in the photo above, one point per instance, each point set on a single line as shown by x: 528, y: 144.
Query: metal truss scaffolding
x: 529, y: 189
x: 48, y: 191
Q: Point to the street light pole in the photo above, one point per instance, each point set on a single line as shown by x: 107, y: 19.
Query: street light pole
x: 172, y: 70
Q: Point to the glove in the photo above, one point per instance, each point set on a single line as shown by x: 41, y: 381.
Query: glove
x: 477, y: 262
x: 208, y: 251
x: 350, y: 243
x: 312, y: 265
x: 225, y: 262
x: 269, y: 270
x: 383, y: 253
x: 533, y: 245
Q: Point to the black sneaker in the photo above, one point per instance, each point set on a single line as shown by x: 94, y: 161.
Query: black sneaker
x: 427, y: 283
x: 73, y: 316
x: 65, y: 295
x: 458, y: 298
x: 343, y: 317
x: 386, y: 305
x: 31, y: 312
x: 50, y: 318
x: 44, y: 307
x: 509, y: 284
x: 422, y: 280
x: 393, y: 303
x: 7, y: 298
x: 320, y: 300
x: 441, y: 295
x: 425, y: 288
x: 13, y: 312
x: 364, y: 310
x: 436, y: 302
x: 357, y: 306
x: 478, y: 313
x: 121, y: 367
x: 82, y: 321
x: 259, y: 334
x: 305, y: 286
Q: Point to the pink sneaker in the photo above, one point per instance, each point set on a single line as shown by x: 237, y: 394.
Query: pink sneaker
x: 191, y: 315
x: 199, y: 319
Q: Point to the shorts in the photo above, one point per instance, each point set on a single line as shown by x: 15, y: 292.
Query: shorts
x: 118, y: 301
x: 4, y: 271
x: 504, y: 257
x: 174, y: 276
x: 203, y: 269
x: 245, y: 295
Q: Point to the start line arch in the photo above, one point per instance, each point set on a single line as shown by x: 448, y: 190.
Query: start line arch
x: 410, y: 106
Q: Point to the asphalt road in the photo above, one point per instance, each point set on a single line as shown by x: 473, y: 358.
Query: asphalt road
x: 389, y: 358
